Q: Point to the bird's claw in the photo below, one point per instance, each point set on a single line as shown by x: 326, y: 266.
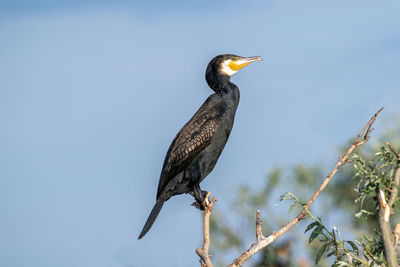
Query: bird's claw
x: 206, y: 200
x: 203, y: 204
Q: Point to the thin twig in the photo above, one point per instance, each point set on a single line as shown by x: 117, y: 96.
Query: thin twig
x: 336, y: 242
x: 361, y: 139
x: 396, y: 179
x: 368, y: 251
x: 393, y: 150
x: 205, y: 260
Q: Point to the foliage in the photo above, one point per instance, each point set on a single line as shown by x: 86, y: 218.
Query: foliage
x: 371, y: 175
x: 353, y: 193
x: 346, y: 252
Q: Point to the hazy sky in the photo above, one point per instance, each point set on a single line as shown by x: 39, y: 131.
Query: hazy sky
x: 92, y: 93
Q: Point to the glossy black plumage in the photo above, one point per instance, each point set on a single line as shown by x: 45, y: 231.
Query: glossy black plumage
x: 196, y: 148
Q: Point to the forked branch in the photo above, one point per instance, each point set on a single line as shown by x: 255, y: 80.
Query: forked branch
x: 262, y: 242
x: 205, y: 260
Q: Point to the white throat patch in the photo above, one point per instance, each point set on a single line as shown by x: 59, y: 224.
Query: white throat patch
x: 226, y: 69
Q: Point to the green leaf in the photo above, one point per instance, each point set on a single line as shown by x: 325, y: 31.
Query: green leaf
x: 355, y: 248
x: 321, y: 252
x: 316, y: 232
x: 363, y: 212
x: 324, y: 238
x: 330, y: 253
x: 285, y: 196
x: 294, y: 204
x: 289, y: 196
x: 311, y: 226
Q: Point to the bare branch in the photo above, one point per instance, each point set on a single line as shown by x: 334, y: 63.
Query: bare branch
x: 393, y: 150
x: 259, y: 234
x: 395, y: 186
x: 384, y: 226
x: 385, y: 211
x: 361, y: 139
x: 384, y: 205
x: 203, y: 252
x: 396, y: 234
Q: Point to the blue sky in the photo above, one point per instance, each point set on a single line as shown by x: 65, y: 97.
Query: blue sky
x: 92, y: 93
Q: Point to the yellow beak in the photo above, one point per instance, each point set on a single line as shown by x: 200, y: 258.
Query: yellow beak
x: 242, y: 62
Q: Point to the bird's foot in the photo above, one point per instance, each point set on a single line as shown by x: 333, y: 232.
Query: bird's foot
x: 206, y: 202
x: 200, y: 199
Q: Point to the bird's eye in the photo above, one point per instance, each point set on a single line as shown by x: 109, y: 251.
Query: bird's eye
x: 234, y: 58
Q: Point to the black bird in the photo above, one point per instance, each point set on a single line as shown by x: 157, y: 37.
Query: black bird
x: 198, y: 145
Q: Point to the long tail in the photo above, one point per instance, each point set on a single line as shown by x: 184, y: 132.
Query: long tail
x: 152, y: 217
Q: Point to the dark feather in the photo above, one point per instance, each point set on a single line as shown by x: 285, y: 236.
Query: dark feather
x: 152, y: 217
x: 190, y: 142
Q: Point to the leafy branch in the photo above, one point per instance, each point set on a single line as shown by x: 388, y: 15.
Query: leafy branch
x: 333, y: 238
x: 361, y: 139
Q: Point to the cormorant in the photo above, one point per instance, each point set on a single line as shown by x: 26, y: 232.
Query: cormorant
x: 198, y: 145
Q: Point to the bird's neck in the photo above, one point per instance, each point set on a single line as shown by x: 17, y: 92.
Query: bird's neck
x: 222, y: 85
x: 230, y: 90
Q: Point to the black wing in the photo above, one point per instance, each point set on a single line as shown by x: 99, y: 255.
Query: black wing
x: 190, y: 142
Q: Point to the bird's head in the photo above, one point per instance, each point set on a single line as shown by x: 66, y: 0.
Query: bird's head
x: 222, y: 67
